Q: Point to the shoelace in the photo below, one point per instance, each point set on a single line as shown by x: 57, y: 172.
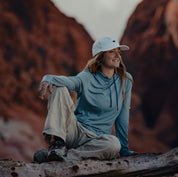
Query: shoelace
x: 56, y: 145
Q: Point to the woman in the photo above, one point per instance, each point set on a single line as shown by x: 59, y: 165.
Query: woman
x: 103, y: 99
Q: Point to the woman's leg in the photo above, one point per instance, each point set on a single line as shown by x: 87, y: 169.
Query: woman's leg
x: 80, y: 142
x: 61, y: 121
x: 60, y: 114
x: 104, y: 147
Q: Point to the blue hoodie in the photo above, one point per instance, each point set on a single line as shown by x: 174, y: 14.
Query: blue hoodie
x: 99, y: 102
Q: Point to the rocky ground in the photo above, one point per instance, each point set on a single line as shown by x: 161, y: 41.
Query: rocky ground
x: 145, y: 165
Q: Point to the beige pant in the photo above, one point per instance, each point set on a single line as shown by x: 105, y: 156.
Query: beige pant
x: 80, y: 142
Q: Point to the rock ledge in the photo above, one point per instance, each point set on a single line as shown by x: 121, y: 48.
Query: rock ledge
x: 139, y: 165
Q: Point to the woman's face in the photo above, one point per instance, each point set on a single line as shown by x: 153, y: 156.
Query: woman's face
x: 111, y: 58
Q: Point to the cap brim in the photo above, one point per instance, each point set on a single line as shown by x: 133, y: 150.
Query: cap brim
x: 124, y: 47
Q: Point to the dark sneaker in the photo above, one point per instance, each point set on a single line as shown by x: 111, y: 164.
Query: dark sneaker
x: 57, y: 152
x: 41, y: 156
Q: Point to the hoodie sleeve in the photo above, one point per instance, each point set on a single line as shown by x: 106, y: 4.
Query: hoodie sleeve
x: 71, y: 82
x: 75, y: 83
x: 122, y: 121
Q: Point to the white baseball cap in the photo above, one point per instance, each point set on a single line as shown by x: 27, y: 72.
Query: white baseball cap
x: 105, y: 44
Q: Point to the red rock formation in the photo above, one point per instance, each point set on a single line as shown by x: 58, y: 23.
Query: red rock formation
x: 36, y: 38
x: 152, y: 34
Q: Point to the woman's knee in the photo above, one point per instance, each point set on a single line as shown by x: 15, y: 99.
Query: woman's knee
x: 113, y: 143
x: 59, y: 90
x: 63, y: 94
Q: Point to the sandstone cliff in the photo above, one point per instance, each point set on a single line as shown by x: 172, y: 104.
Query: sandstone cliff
x: 152, y: 34
x: 36, y: 38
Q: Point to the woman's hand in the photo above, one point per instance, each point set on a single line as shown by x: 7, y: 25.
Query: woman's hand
x: 45, y: 89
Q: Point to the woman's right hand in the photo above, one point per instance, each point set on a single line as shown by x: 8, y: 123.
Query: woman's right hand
x: 44, y: 89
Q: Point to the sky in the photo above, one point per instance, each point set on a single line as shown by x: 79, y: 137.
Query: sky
x: 99, y: 17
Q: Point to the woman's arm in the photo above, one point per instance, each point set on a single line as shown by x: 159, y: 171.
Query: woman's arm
x: 122, y: 121
x: 48, y: 81
x: 71, y: 82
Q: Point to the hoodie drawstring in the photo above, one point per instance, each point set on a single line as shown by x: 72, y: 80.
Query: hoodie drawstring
x: 116, y: 94
x: 110, y: 94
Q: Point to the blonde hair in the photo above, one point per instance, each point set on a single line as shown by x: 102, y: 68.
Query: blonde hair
x: 94, y: 65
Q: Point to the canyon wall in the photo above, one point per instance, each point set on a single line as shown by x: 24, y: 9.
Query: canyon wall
x: 36, y: 39
x: 152, y: 35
